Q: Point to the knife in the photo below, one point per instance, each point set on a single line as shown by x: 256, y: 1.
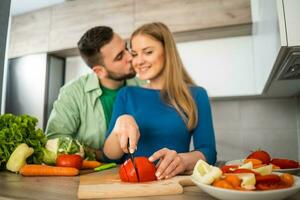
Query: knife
x: 132, y: 160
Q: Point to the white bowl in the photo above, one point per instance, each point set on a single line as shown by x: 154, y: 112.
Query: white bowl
x: 226, y: 194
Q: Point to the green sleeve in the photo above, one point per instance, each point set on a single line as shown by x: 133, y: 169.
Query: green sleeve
x: 64, y: 119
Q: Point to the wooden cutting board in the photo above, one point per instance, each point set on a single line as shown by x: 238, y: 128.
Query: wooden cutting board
x: 107, y: 184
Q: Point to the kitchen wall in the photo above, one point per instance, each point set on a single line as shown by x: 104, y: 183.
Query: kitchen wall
x: 242, y: 125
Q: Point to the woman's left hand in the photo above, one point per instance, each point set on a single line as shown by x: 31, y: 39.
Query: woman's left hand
x: 170, y: 163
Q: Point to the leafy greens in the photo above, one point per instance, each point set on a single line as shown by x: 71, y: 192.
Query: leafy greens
x: 15, y: 130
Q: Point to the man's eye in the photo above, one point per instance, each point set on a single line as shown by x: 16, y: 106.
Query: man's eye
x: 133, y: 54
x: 119, y: 57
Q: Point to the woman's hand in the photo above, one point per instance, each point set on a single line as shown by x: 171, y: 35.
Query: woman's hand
x: 170, y: 163
x: 126, y: 129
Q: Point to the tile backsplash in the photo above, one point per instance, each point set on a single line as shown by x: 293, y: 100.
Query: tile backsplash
x: 243, y: 125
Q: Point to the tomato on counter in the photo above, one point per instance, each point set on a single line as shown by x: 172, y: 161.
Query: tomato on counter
x: 260, y: 155
x: 66, y: 160
x: 145, y: 170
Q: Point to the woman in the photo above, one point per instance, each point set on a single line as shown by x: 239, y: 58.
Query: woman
x: 160, y: 118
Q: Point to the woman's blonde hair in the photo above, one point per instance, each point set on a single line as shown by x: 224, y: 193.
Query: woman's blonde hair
x: 176, y: 84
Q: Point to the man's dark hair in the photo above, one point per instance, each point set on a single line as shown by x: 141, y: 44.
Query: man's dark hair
x: 91, y: 42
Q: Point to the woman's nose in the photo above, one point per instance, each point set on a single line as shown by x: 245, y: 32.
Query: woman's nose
x: 140, y: 60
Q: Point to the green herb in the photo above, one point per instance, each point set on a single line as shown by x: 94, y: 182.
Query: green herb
x: 15, y: 130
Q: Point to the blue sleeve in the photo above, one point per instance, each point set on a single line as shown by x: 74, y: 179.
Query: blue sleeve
x: 203, y: 134
x: 118, y: 110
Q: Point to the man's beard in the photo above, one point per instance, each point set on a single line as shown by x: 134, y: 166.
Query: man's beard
x: 120, y: 77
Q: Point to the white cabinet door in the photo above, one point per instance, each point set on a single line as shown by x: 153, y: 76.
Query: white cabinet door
x: 224, y: 67
x: 292, y: 16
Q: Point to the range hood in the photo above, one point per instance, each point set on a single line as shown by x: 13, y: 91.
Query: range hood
x: 284, y: 79
x: 284, y: 76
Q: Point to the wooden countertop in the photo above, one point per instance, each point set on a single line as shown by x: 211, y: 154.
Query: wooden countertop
x: 15, y: 186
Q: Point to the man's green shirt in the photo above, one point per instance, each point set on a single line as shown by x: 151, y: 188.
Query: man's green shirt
x: 107, y: 100
x: 78, y: 112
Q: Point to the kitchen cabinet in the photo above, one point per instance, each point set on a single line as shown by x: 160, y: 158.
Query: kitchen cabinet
x: 187, y: 15
x: 276, y: 42
x: 224, y: 67
x: 289, y: 22
x: 70, y: 20
x: 29, y: 33
x: 58, y: 28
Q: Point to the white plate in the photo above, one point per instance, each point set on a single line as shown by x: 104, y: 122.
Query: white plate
x: 240, y: 162
x: 226, y: 194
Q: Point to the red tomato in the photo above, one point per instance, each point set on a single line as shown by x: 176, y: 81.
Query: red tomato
x: 229, y: 168
x: 65, y: 160
x: 260, y: 155
x: 285, y: 163
x: 241, y: 171
x: 270, y: 186
x: 127, y: 172
x: 145, y: 168
x: 123, y: 174
x: 268, y: 179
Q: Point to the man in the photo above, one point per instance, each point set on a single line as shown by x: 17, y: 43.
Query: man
x: 84, y: 107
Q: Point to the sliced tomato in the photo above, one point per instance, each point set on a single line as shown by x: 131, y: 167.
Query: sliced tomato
x: 269, y: 186
x: 285, y: 163
x: 268, y: 179
x: 130, y: 171
x: 229, y: 168
x: 146, y: 169
x: 123, y: 174
x: 238, y: 171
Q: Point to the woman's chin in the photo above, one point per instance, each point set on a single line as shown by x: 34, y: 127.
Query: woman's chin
x: 142, y: 77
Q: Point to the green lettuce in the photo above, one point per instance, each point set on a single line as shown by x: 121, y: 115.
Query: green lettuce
x: 15, y: 130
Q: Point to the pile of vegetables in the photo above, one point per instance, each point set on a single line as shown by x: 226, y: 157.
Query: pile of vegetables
x: 25, y: 150
x: 63, y: 145
x: 15, y: 130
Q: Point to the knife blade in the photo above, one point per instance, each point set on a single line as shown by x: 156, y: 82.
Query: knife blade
x: 132, y: 160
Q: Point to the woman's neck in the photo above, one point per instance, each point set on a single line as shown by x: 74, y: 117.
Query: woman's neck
x: 155, y: 83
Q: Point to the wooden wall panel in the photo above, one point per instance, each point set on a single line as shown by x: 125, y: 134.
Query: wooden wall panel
x: 187, y: 15
x: 71, y: 19
x: 29, y: 33
x: 58, y: 28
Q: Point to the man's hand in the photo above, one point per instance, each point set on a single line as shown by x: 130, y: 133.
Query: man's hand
x: 126, y: 129
x: 170, y: 163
